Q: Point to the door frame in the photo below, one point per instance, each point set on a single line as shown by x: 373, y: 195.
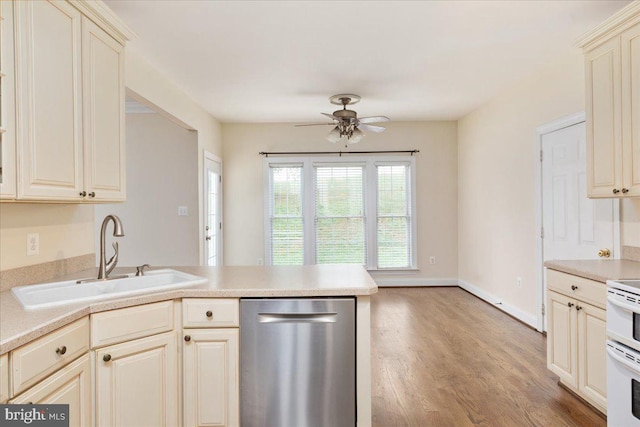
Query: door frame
x: 555, y: 125
x: 212, y: 157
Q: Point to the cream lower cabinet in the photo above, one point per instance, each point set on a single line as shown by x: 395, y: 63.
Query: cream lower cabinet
x: 137, y: 382
x: 70, y: 385
x: 576, y: 338
x: 211, y: 377
x: 4, y: 378
x: 210, y: 363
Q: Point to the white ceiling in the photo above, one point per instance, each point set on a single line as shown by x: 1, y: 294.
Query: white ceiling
x: 279, y: 61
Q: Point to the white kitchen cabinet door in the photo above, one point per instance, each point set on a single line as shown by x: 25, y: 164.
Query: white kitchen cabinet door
x: 137, y: 383
x: 211, y: 377
x: 630, y: 41
x: 7, y: 105
x: 104, y: 132
x: 562, y: 338
x: 604, y: 133
x: 592, y: 338
x: 70, y: 385
x: 49, y: 100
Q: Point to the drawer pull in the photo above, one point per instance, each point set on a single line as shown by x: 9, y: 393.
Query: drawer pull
x: 209, y: 313
x: 61, y: 350
x: 574, y: 288
x: 106, y: 357
x: 570, y: 304
x: 187, y: 338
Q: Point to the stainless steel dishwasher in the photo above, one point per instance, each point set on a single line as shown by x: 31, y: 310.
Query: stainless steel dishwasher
x: 297, y: 362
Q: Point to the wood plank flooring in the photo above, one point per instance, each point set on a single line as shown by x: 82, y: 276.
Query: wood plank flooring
x: 442, y: 357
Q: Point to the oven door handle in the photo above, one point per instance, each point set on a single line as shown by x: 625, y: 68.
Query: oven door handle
x: 629, y: 307
x: 625, y: 362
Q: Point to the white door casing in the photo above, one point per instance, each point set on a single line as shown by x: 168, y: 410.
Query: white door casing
x: 212, y: 184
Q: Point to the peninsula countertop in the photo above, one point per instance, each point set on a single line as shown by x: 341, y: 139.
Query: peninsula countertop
x: 18, y: 326
x: 599, y: 270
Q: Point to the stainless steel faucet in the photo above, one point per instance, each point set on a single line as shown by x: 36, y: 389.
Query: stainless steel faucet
x: 106, y: 267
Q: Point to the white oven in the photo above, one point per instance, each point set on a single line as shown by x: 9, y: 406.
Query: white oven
x: 623, y: 314
x: 623, y: 353
x: 623, y: 385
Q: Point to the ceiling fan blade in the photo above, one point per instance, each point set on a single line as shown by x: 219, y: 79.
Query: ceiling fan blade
x: 371, y: 128
x: 315, y: 124
x: 374, y: 119
x: 331, y: 116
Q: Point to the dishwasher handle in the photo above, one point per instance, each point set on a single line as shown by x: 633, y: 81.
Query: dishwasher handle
x: 297, y: 317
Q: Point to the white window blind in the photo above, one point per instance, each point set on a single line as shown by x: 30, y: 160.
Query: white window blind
x: 286, y: 215
x: 394, y: 217
x: 340, y: 220
x: 327, y: 210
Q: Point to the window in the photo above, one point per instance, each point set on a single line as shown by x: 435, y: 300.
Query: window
x: 335, y: 211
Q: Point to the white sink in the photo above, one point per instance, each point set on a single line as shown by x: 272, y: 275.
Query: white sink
x: 33, y: 297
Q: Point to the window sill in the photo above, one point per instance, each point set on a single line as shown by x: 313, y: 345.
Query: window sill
x: 393, y: 270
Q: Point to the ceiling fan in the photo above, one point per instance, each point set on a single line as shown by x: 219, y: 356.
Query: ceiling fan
x: 346, y: 122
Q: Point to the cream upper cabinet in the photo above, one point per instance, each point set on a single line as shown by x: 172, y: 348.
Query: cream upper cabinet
x: 49, y: 86
x: 70, y: 103
x: 577, y: 334
x: 137, y: 382
x: 70, y: 385
x: 7, y: 104
x: 612, y: 71
x: 211, y: 377
x: 103, y: 93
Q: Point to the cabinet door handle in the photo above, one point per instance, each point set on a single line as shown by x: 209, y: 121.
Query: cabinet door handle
x: 578, y: 308
x: 570, y: 304
x: 83, y: 194
x: 616, y: 191
x: 574, y: 288
x: 625, y: 190
x: 106, y: 357
x: 209, y: 313
x: 187, y: 338
x: 61, y: 350
x: 92, y: 194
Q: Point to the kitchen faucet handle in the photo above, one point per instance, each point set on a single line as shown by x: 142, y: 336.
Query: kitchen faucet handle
x: 140, y: 269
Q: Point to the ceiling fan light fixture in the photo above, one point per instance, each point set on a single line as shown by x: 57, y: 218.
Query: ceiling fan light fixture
x: 335, y: 135
x: 356, y: 136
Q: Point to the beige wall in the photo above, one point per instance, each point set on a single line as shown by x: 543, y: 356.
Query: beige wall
x: 68, y: 230
x: 630, y: 224
x: 162, y: 174
x: 496, y: 182
x: 436, y: 185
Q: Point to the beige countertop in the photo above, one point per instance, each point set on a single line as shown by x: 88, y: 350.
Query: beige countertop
x: 599, y: 270
x: 18, y: 326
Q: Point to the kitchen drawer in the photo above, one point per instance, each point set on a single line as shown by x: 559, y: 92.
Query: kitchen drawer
x: 210, y: 312
x: 125, y: 324
x: 578, y: 287
x: 34, y: 361
x: 4, y: 378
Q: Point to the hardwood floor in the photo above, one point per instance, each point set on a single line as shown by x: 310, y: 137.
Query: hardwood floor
x: 442, y: 357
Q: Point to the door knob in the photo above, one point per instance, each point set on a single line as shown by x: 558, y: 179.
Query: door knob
x: 604, y: 253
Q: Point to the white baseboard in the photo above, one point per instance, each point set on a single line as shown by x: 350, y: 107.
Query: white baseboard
x: 412, y: 281
x: 498, y: 303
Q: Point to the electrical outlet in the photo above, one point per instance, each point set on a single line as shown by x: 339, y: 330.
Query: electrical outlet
x: 518, y: 282
x: 183, y: 211
x: 33, y: 244
x: 432, y: 260
x: 260, y: 261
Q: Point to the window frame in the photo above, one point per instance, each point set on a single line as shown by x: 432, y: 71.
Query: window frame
x: 370, y: 184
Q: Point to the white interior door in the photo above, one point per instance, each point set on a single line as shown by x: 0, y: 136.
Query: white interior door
x: 213, y: 211
x: 574, y: 227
